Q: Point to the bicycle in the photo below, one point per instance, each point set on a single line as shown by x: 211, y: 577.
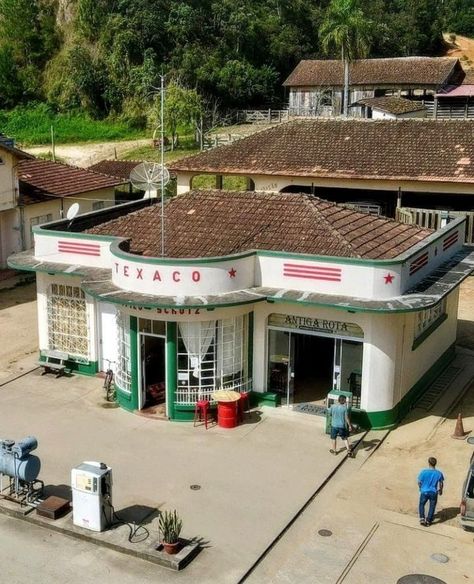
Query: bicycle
x: 109, y: 385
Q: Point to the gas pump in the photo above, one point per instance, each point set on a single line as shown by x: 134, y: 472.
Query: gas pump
x: 91, y: 484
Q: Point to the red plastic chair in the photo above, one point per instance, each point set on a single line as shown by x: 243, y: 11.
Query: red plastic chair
x: 244, y: 404
x: 201, y: 411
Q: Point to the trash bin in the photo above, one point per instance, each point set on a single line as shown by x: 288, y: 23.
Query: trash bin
x: 227, y: 414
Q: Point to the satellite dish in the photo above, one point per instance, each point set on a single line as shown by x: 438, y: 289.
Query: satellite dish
x: 72, y: 211
x: 148, y: 177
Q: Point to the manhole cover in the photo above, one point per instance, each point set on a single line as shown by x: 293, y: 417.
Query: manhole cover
x: 419, y: 579
x: 325, y: 532
x: 441, y: 558
x: 195, y: 487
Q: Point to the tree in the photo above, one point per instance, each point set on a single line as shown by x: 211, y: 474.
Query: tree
x: 183, y: 109
x: 348, y: 31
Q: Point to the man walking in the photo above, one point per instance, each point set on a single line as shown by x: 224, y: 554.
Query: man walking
x: 430, y: 482
x: 340, y: 425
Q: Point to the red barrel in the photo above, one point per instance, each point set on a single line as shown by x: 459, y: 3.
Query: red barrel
x: 227, y: 414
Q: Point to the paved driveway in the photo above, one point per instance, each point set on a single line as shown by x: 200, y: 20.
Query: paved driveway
x: 253, y: 478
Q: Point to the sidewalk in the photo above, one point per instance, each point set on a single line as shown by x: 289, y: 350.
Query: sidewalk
x: 371, y: 508
x: 253, y: 478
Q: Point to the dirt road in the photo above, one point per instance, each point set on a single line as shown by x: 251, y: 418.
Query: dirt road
x: 19, y: 347
x: 86, y: 154
x: 462, y: 48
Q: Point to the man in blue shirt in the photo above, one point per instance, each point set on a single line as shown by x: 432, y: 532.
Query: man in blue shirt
x: 340, y: 425
x: 430, y: 482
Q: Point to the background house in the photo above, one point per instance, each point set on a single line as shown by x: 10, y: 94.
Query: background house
x: 316, y: 86
x: 48, y: 189
x: 10, y: 232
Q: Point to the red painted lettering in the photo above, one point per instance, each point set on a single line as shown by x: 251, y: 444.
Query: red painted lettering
x: 176, y: 277
x: 125, y: 271
x: 196, y: 276
x: 156, y: 276
x: 139, y: 273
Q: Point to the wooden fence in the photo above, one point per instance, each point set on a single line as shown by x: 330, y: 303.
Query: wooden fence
x: 435, y: 219
x: 262, y: 116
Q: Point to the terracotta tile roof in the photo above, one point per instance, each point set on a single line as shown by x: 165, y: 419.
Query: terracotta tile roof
x: 432, y: 71
x: 119, y: 168
x: 411, y: 149
x: 392, y: 105
x: 43, y: 179
x: 215, y: 223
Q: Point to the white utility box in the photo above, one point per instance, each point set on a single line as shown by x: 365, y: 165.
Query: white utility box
x: 91, y: 484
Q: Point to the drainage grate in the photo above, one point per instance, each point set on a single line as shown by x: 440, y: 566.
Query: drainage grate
x: 195, y: 487
x: 325, y: 532
x: 437, y: 388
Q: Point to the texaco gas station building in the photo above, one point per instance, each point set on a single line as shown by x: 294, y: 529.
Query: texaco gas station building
x: 286, y: 295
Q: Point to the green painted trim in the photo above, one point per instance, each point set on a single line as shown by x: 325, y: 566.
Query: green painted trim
x: 117, y: 252
x: 129, y: 400
x: 89, y: 368
x: 265, y: 398
x: 425, y: 334
x: 74, y: 235
x: 183, y: 413
x: 171, y: 367
x: 113, y: 300
x: 349, y: 308
x: 406, y: 403
x: 250, y: 345
x: 124, y: 399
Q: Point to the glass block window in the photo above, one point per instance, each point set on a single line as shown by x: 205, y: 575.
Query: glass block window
x: 68, y: 329
x: 425, y: 318
x: 123, y: 374
x: 212, y: 355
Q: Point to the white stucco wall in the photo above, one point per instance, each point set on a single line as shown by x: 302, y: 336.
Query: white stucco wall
x: 275, y: 183
x: 412, y: 364
x: 380, y: 115
x: 8, y: 181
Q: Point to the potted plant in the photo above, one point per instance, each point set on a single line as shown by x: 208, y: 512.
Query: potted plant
x: 170, y: 526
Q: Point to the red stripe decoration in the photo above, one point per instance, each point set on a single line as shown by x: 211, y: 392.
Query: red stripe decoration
x: 419, y: 263
x: 312, y: 272
x: 450, y: 240
x: 78, y: 248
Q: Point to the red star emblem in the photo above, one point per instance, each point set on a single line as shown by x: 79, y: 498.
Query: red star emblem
x: 389, y: 278
x: 232, y: 273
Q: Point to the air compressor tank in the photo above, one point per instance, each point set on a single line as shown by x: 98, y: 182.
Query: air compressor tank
x: 16, y: 460
x: 26, y: 469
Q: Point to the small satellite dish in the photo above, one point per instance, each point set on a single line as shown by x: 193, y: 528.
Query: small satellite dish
x: 148, y: 177
x: 72, y: 211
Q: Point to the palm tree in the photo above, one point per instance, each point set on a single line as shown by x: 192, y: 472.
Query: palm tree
x: 348, y: 31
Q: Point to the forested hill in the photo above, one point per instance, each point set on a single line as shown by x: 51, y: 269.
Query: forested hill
x: 105, y: 55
